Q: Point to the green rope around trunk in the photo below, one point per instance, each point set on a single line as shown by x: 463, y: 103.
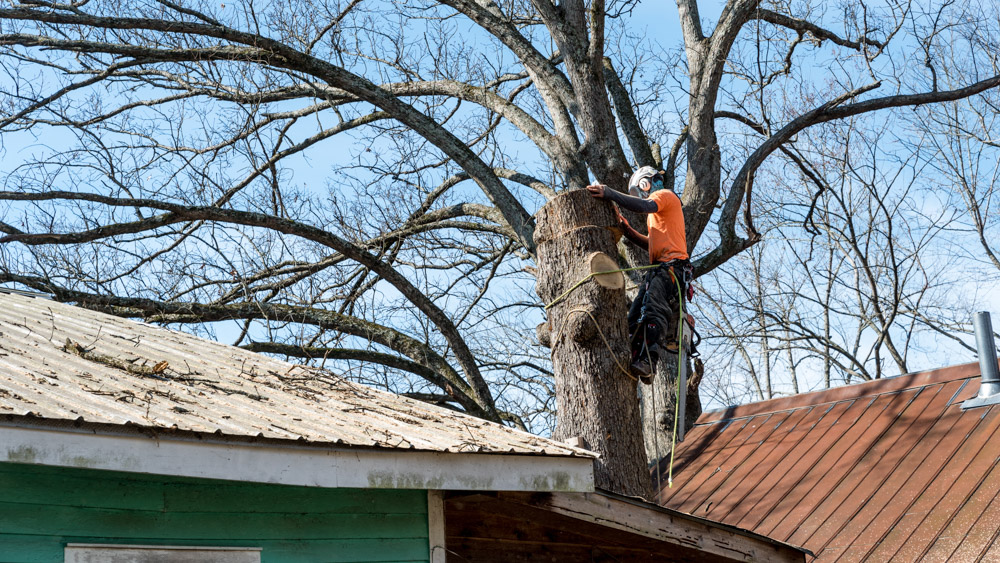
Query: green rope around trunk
x: 591, y: 275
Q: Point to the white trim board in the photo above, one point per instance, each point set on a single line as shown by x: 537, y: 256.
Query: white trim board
x: 294, y: 465
x: 435, y: 526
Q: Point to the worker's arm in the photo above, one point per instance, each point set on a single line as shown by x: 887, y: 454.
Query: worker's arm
x: 638, y: 205
x: 631, y: 203
x: 641, y: 240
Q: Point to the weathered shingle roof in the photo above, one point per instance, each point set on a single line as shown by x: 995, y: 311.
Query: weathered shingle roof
x: 208, y: 387
x: 890, y: 470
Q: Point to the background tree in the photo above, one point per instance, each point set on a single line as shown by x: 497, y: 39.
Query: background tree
x: 850, y: 297
x: 170, y: 176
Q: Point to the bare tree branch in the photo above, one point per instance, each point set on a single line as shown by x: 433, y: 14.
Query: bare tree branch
x: 816, y: 31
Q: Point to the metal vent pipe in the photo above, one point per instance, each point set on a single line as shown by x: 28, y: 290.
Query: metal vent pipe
x: 989, y: 387
x: 987, y: 351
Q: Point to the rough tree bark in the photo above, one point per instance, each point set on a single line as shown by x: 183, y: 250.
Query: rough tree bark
x: 596, y: 401
x: 658, y: 406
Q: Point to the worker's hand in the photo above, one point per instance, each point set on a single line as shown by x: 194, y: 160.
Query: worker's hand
x: 597, y: 190
x: 621, y: 218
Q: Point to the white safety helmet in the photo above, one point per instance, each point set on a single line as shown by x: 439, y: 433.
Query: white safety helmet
x: 641, y: 184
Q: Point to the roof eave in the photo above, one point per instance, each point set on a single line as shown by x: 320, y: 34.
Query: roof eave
x: 134, y: 449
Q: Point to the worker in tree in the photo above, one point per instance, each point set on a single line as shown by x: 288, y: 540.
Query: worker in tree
x: 655, y: 311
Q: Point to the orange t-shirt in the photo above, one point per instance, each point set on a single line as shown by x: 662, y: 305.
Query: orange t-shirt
x: 666, y: 228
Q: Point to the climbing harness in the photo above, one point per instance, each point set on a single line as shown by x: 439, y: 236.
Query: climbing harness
x: 652, y: 311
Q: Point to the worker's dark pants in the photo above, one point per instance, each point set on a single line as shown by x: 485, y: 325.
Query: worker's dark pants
x: 654, y: 311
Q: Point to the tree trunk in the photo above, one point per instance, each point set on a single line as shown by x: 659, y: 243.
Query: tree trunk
x: 589, y: 339
x: 658, y: 407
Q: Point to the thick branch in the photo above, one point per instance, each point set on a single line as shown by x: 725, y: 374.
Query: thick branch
x: 275, y: 53
x: 553, y: 86
x: 424, y: 362
x: 670, y: 167
x: 568, y: 25
x: 731, y: 244
x: 687, y: 10
x: 626, y: 117
x: 731, y: 22
x: 370, y: 356
x: 181, y: 214
x: 552, y: 146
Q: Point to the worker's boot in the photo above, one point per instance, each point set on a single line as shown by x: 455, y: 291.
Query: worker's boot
x: 644, y: 364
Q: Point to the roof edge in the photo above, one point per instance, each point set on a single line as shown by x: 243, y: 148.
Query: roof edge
x: 288, y: 462
x: 246, y: 394
x: 847, y: 392
x: 674, y: 513
x: 636, y: 516
x: 159, y: 432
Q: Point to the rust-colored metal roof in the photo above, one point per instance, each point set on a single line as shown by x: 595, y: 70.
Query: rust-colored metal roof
x: 208, y: 387
x: 889, y: 470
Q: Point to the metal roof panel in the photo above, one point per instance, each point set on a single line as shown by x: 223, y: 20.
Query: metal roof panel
x: 209, y: 387
x: 879, y: 471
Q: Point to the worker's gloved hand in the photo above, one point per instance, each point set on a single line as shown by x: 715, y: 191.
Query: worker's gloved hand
x: 622, y: 222
x: 597, y: 190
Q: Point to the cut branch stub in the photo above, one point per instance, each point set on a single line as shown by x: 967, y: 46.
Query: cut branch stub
x: 576, y: 237
x: 601, y: 262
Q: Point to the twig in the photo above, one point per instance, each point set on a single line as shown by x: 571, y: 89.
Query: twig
x: 125, y: 365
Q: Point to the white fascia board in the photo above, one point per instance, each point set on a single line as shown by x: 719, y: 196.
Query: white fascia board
x: 312, y: 466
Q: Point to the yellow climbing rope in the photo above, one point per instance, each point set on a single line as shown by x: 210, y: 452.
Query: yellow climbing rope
x: 597, y: 325
x: 680, y: 358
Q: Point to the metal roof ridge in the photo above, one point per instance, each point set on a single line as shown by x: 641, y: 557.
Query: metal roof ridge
x: 26, y: 293
x: 843, y: 393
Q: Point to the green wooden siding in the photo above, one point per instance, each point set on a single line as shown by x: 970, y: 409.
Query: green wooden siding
x: 44, y: 508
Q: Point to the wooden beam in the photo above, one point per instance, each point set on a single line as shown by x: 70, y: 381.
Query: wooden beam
x: 668, y: 526
x: 507, y: 551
